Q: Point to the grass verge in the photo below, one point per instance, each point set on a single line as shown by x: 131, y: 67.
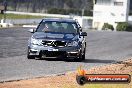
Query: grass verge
x: 17, y: 16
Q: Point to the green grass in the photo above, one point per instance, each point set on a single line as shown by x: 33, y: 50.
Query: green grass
x: 100, y: 86
x: 106, y: 86
x: 17, y: 16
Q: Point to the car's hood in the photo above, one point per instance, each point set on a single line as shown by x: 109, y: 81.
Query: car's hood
x: 65, y: 36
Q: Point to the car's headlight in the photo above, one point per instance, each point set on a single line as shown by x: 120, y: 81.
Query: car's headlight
x: 36, y: 41
x: 73, y: 43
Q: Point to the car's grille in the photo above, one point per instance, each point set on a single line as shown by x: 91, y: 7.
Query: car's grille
x: 54, y: 43
x: 53, y: 54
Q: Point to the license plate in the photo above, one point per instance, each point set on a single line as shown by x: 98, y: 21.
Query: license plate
x: 51, y: 49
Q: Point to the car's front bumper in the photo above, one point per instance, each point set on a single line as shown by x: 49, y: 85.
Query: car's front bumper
x: 54, y: 52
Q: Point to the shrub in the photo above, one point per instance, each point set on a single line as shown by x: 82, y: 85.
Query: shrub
x: 107, y: 26
x: 69, y: 11
x: 122, y: 26
x: 129, y: 28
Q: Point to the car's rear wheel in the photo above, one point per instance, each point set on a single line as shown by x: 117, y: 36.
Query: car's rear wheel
x: 28, y: 54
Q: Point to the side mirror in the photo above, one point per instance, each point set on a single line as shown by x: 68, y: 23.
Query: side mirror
x: 31, y: 30
x: 83, y: 34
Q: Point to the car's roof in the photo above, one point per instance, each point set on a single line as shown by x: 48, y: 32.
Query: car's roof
x: 59, y: 19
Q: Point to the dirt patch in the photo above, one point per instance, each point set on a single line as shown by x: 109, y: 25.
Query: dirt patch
x: 68, y: 80
x: 123, y: 67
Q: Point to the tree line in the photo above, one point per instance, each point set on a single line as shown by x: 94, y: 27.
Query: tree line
x: 51, y: 6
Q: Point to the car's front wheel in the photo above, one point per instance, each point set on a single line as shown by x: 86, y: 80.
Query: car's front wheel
x: 83, y: 55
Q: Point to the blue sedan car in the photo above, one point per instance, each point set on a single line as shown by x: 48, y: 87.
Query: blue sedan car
x: 57, y: 38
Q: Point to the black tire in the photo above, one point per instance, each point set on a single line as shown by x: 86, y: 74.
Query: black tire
x: 29, y: 56
x: 83, y: 56
x: 81, y: 80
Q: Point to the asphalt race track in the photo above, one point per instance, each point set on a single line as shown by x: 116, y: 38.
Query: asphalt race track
x: 102, y: 48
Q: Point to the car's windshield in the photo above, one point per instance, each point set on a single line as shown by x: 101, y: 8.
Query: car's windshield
x: 55, y: 26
